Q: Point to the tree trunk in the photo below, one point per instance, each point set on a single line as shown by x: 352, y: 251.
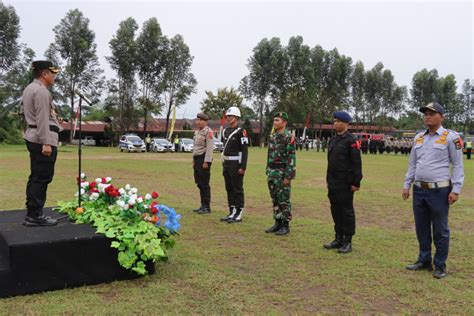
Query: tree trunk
x: 168, y: 113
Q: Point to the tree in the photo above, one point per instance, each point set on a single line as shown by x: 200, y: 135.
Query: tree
x: 178, y: 82
x: 358, y: 83
x: 215, y: 105
x: 424, y: 87
x: 74, y: 51
x: 123, y: 61
x: 267, y: 70
x: 446, y: 95
x: 467, y: 105
x: 9, y: 33
x: 374, y: 91
x: 152, y: 47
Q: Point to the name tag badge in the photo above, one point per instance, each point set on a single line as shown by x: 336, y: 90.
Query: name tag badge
x: 442, y: 142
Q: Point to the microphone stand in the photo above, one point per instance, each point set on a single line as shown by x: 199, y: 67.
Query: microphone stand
x: 79, y: 155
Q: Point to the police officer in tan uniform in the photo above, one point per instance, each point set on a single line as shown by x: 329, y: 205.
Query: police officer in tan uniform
x: 41, y: 138
x: 202, y: 160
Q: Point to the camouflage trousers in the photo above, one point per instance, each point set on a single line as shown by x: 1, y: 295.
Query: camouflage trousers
x: 280, y: 194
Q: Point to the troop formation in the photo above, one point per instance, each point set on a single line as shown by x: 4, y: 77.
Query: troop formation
x: 435, y: 170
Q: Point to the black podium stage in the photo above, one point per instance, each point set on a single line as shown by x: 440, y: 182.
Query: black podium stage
x: 36, y: 259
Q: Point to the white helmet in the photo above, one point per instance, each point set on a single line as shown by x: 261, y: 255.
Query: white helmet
x: 234, y: 111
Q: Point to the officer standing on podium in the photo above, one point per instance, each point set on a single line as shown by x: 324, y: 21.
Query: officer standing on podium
x: 234, y: 160
x: 435, y: 187
x: 41, y: 138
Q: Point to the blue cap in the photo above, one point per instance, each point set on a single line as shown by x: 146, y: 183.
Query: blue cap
x: 433, y: 106
x: 342, y: 116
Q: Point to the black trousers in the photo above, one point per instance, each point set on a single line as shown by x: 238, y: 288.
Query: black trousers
x: 234, y: 183
x: 201, y: 177
x: 41, y: 174
x: 342, y: 210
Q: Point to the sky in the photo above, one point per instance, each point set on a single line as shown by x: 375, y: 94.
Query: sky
x: 406, y: 36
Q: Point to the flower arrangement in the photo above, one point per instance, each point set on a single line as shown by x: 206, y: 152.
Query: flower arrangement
x: 141, y: 228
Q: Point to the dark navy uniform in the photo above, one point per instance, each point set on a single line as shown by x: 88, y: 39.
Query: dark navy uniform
x: 234, y: 157
x: 344, y: 170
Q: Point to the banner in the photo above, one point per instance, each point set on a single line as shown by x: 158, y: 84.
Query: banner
x: 306, y: 126
x: 172, y: 124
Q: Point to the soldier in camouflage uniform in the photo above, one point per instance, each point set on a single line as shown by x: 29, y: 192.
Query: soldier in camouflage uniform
x: 281, y: 169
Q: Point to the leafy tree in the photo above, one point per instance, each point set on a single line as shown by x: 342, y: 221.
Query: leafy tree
x: 74, y: 50
x: 152, y: 47
x: 266, y: 78
x: 215, y: 105
x: 123, y: 61
x: 424, y: 87
x: 467, y: 104
x: 358, y: 82
x: 178, y: 83
x: 9, y: 33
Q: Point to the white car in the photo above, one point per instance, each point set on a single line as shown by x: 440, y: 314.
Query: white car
x: 186, y: 145
x: 87, y: 141
x: 131, y: 143
x: 161, y: 145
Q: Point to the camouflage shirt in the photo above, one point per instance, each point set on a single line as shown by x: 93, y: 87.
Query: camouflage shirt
x: 281, y: 154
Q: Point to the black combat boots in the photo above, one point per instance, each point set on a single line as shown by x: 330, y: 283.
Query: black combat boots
x: 275, y: 227
x: 284, y: 228
x: 336, y: 243
x: 346, y: 245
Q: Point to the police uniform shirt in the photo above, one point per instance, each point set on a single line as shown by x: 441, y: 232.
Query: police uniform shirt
x: 431, y: 156
x: 237, y: 145
x: 39, y: 111
x: 204, y: 143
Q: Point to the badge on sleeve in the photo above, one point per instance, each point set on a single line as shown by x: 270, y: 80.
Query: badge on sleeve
x: 210, y: 134
x: 458, y: 143
x: 244, y: 140
x: 356, y: 145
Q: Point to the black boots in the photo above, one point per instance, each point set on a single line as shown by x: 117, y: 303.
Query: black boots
x: 342, y: 243
x: 197, y: 209
x: 275, y: 227
x: 39, y: 221
x: 346, y: 245
x: 204, y: 210
x: 336, y: 243
x: 284, y: 228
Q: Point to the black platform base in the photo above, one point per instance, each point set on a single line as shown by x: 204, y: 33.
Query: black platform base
x: 36, y: 259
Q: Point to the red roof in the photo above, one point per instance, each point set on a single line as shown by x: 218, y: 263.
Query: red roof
x: 87, y: 126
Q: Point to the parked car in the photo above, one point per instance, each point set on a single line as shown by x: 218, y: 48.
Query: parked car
x: 186, y: 144
x: 218, y: 145
x: 161, y: 145
x: 87, y: 141
x: 131, y: 142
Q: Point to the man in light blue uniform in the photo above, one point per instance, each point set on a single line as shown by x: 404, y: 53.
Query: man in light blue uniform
x: 435, y: 187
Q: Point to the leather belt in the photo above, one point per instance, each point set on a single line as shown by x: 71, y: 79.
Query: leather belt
x: 52, y: 128
x: 230, y: 157
x: 433, y: 185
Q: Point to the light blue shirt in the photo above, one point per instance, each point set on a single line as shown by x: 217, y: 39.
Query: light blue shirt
x: 431, y: 157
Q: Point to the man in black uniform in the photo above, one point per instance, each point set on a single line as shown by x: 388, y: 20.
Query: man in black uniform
x: 343, y: 178
x: 234, y: 160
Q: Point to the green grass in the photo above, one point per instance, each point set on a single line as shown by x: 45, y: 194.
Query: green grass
x: 217, y: 268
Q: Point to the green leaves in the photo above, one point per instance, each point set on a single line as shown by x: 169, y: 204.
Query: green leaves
x: 136, y: 241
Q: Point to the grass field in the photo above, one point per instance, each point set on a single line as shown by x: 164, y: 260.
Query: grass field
x: 218, y: 268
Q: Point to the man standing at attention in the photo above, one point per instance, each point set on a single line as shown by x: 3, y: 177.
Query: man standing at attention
x: 202, y: 160
x: 234, y: 164
x: 41, y: 138
x: 343, y: 179
x: 435, y: 187
x: 281, y: 169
